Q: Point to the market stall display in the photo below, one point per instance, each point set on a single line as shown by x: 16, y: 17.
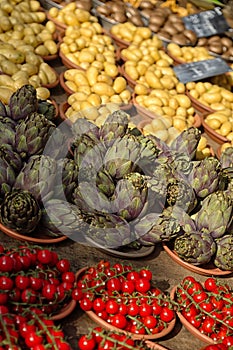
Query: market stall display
x: 120, y: 95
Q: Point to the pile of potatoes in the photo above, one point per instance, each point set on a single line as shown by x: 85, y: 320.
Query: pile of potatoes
x: 203, y: 149
x: 211, y: 95
x: 23, y: 67
x: 71, y: 15
x: 174, y: 107
x: 119, y: 12
x: 188, y: 53
x: 221, y: 122
x: 148, y: 7
x: 86, y: 46
x: 96, y: 114
x: 218, y: 44
x: 22, y: 24
x: 170, y: 27
x: 130, y: 33
x: 93, y: 88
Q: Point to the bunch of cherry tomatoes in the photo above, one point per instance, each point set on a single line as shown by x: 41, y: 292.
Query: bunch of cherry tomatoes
x: 34, y: 284
x: 100, y: 339
x: 34, y: 276
x: 124, y: 297
x: 208, y: 307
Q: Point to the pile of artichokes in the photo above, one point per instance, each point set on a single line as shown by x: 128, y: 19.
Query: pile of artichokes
x: 112, y: 185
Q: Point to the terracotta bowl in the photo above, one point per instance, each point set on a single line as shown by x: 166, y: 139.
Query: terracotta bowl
x: 63, y: 84
x: 130, y: 81
x: 59, y: 25
x: 119, y: 42
x: 200, y: 107
x: 213, y: 134
x: 107, y: 326
x: 65, y: 311
x: 154, y: 346
x: 106, y: 23
x: 68, y: 63
x: 205, y: 270
x: 194, y: 331
x: 55, y: 83
x: 40, y: 237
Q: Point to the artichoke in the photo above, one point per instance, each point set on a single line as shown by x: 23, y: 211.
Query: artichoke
x: 224, y: 252
x: 88, y: 151
x: 109, y: 230
x: 20, y: 211
x: 32, y: 134
x: 37, y: 176
x: 66, y: 178
x: 195, y: 247
x: 83, y: 126
x: 23, y: 102
x: 7, y: 135
x: 148, y: 154
x: 171, y: 223
x: 62, y: 218
x: 186, y: 142
x: 115, y: 125
x: 204, y: 177
x: 47, y: 108
x: 130, y: 196
x: 215, y: 215
x: 180, y: 193
x: 89, y: 198
x: 121, y: 158
x: 3, y: 110
x: 11, y: 157
x: 226, y: 158
x: 7, y: 177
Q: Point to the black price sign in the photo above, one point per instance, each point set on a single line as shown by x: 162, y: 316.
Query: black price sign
x: 201, y: 70
x: 207, y: 23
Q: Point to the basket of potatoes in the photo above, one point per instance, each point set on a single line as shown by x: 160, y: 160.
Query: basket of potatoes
x: 187, y: 54
x: 208, y: 98
x: 219, y: 125
x: 95, y: 114
x: 124, y: 34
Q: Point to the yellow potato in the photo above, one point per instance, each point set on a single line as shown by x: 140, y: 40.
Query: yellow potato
x: 103, y: 89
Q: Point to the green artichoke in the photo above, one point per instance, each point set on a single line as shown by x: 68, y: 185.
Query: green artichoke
x: 37, y: 176
x: 62, y: 218
x: 186, y: 142
x: 82, y: 126
x: 109, y: 230
x: 89, y: 198
x: 115, y: 125
x: 47, y: 108
x: 7, y: 177
x: 171, y: 223
x: 3, y: 110
x: 180, y: 193
x: 7, y: 135
x: 66, y: 179
x: 130, y: 196
x: 224, y: 252
x: 215, y: 214
x: 204, y: 177
x: 88, y: 151
x: 20, y: 211
x: 122, y: 156
x: 32, y: 134
x: 23, y: 102
x: 226, y: 158
x: 11, y: 157
x: 148, y: 154
x: 195, y: 247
